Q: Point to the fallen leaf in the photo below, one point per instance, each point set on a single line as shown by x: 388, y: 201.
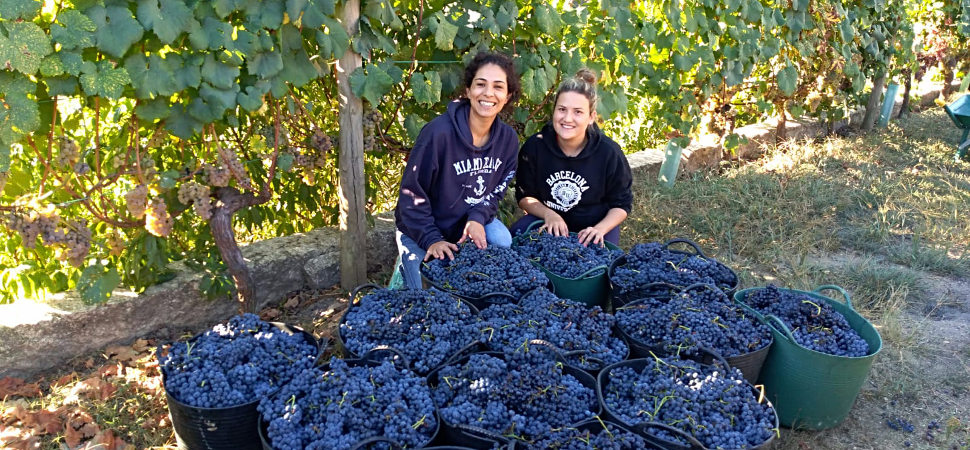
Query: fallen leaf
x: 106, y: 440
x: 269, y: 314
x: 93, y: 388
x: 89, y: 363
x: 121, y: 353
x: 44, y: 421
x: 79, y: 426
x: 65, y: 380
x: 292, y: 303
x: 15, y: 411
x: 142, y: 345
x: 18, y: 439
x: 11, y: 386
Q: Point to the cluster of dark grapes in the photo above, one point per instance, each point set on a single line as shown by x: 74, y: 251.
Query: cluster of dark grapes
x: 340, y: 407
x: 234, y: 363
x: 581, y: 333
x: 609, y: 437
x: 426, y: 326
x: 564, y: 255
x: 702, y: 316
x: 814, y: 323
x: 652, y: 263
x: 716, y: 407
x: 524, y: 395
x: 475, y: 273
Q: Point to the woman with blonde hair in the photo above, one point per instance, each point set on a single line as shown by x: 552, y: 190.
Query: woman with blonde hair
x: 571, y: 175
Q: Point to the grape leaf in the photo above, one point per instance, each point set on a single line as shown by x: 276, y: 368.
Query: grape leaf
x: 96, y: 283
x: 21, y: 115
x: 426, y: 87
x: 117, y: 29
x: 370, y: 83
x: 788, y: 79
x: 107, y: 81
x: 266, y: 64
x: 218, y: 74
x: 153, y: 110
x: 19, y: 9
x: 73, y: 30
x: 51, y: 66
x: 24, y: 48
x: 167, y: 18
x: 444, y: 35
x: 151, y: 77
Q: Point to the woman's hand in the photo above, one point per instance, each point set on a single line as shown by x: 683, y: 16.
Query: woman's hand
x: 590, y: 235
x: 554, y: 225
x: 441, y: 249
x: 476, y: 232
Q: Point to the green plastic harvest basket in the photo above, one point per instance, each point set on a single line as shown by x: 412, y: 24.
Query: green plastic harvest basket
x: 810, y: 389
x: 592, y: 288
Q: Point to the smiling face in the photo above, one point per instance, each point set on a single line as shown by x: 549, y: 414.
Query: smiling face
x: 570, y: 118
x: 488, y: 92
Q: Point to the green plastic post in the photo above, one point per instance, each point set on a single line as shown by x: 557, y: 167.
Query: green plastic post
x: 888, y: 103
x: 668, y: 170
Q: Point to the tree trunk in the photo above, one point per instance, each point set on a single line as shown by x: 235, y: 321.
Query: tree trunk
x: 781, y: 131
x: 872, y: 107
x: 231, y: 200
x: 353, y: 236
x: 904, y: 109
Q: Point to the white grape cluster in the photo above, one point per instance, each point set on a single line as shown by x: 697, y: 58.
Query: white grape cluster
x: 315, y: 156
x: 814, y: 99
x: 370, y: 123
x: 76, y: 244
x: 73, y: 238
x: 4, y: 176
x: 217, y: 176
x: 157, y: 219
x: 198, y: 196
x: 269, y: 134
x: 231, y: 161
x: 137, y: 200
x: 68, y: 153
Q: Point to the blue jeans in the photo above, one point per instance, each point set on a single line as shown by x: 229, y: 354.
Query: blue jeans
x: 411, y: 255
x: 522, y: 224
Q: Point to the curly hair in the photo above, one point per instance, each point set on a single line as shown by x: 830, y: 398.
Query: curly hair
x: 505, y: 63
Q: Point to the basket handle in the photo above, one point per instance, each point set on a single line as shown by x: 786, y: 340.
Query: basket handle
x: 714, y: 354
x: 463, y: 352
x: 707, y: 286
x: 688, y: 242
x: 693, y: 443
x: 848, y: 299
x: 375, y: 439
x: 532, y: 225
x: 481, y: 433
x: 779, y: 326
x: 371, y: 355
x: 592, y: 270
x: 358, y: 289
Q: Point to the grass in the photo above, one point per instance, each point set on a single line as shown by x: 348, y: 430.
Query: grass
x: 884, y: 215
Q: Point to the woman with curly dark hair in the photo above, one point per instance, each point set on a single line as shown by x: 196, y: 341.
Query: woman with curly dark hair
x: 458, y: 170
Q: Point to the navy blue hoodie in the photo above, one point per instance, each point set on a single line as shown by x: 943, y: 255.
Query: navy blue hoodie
x: 581, y: 189
x: 449, y: 181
